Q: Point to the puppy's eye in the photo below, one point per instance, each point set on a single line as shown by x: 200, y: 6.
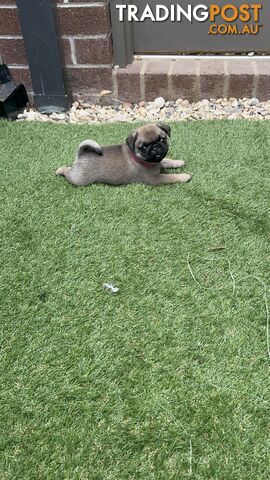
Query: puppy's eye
x: 162, y: 139
x: 143, y: 148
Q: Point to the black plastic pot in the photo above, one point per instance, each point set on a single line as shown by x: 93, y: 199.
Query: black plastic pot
x: 13, y: 99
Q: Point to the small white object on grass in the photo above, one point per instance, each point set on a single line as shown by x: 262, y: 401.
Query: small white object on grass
x: 110, y: 287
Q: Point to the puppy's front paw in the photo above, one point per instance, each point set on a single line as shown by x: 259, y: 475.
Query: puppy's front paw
x: 185, y: 177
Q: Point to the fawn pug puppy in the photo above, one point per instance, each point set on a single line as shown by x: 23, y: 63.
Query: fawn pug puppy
x: 138, y: 160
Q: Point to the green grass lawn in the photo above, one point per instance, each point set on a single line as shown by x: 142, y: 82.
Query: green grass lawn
x: 168, y: 378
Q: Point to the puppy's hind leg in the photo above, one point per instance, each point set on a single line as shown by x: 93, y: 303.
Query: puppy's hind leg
x: 70, y: 175
x: 86, y: 146
x: 75, y: 173
x: 62, y: 171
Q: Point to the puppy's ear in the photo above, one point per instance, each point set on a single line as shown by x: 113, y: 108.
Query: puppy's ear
x: 166, y: 128
x: 131, y: 139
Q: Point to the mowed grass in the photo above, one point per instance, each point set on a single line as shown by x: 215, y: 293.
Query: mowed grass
x: 166, y: 379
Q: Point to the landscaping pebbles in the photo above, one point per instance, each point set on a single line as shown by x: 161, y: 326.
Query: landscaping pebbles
x: 158, y: 110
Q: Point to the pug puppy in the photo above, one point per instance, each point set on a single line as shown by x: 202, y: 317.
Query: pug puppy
x: 138, y: 160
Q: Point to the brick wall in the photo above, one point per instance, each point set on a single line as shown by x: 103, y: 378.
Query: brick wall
x: 85, y: 31
x: 86, y: 35
x: 11, y: 43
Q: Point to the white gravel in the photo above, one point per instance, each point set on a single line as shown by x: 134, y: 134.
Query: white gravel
x: 158, y: 110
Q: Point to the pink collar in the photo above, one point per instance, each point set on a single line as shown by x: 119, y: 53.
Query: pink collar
x: 141, y: 162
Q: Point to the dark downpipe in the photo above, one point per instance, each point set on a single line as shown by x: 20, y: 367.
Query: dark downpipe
x: 39, y: 29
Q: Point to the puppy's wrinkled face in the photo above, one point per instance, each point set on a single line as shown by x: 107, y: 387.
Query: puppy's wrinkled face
x: 150, y: 143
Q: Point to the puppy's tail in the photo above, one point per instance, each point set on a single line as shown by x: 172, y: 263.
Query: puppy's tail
x: 89, y: 146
